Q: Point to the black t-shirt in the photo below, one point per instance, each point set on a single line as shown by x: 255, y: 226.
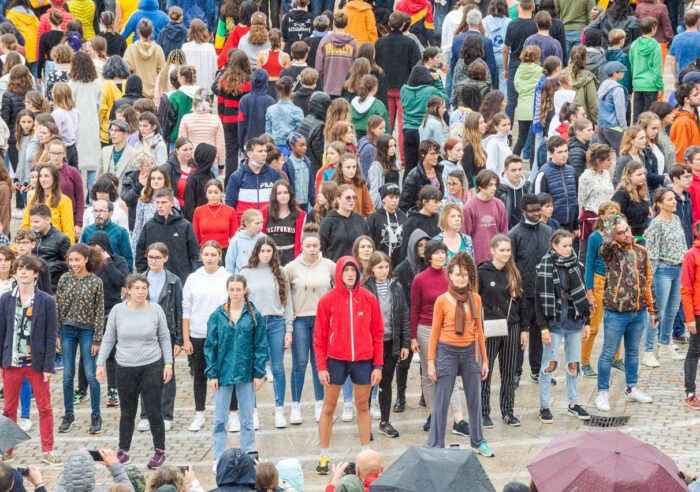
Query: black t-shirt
x: 283, y: 231
x: 636, y: 212
x: 516, y: 33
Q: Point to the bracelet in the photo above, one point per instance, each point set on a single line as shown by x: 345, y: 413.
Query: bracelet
x: 546, y: 330
x: 169, y: 365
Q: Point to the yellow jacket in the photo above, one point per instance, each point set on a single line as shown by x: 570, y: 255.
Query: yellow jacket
x: 28, y: 25
x: 61, y: 216
x: 110, y: 93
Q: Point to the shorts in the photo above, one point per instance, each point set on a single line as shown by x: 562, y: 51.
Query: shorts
x: 360, y: 371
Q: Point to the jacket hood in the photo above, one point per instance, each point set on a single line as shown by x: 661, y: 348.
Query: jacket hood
x: 606, y: 87
x: 530, y: 71
x: 101, y: 239
x: 173, y: 32
x: 204, y: 157
x: 298, y: 15
x: 189, y: 90
x: 505, y: 182
x: 79, y: 472
x: 488, y: 266
x: 234, y: 468
x: 290, y: 471
x: 363, y: 144
x: 357, y: 6
x: 562, y: 96
x: 203, y: 273
x: 134, y: 87
x: 416, y: 236
x: 584, y: 77
x: 682, y: 115
x: 258, y: 83
x: 362, y: 106
x: 166, y: 488
x: 146, y: 49
x: 342, y: 263
x: 496, y: 136
x: 420, y: 75
x: 148, y: 5
x: 319, y: 102
x: 646, y: 46
x: 340, y: 39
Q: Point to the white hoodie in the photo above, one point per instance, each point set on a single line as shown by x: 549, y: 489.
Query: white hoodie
x: 497, y: 149
x: 202, y: 294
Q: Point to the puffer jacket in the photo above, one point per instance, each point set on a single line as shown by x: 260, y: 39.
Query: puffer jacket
x: 412, y: 184
x: 628, y: 279
x: 530, y: 243
x: 12, y: 104
x: 577, y: 156
x: 235, y: 352
x: 235, y: 472
x: 400, y: 315
x: 560, y: 182
x: 52, y: 248
x: 349, y: 324
x: 79, y: 474
x: 690, y: 283
x: 170, y: 299
x: 312, y: 128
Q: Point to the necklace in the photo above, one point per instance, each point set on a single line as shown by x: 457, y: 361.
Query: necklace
x: 214, y: 214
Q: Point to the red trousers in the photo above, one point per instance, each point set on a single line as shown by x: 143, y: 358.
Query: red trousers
x: 395, y: 109
x: 12, y: 378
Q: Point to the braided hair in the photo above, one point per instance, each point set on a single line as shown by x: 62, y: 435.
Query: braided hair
x: 277, y: 272
x: 241, y: 279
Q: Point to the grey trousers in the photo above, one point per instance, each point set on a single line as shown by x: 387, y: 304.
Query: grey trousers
x: 451, y: 361
x: 427, y: 385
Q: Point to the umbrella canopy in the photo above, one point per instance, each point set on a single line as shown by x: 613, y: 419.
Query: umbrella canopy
x: 422, y: 469
x: 10, y: 434
x: 605, y: 461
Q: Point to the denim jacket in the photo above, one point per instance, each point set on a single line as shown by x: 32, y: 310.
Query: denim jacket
x: 281, y: 119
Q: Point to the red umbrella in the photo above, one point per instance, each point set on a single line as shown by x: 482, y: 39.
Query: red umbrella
x: 604, y: 461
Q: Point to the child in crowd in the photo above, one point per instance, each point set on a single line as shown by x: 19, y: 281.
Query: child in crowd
x: 67, y: 119
x: 433, y: 126
x: 547, y: 203
x: 645, y: 60
x: 241, y: 246
x: 333, y: 153
x: 298, y: 169
x: 308, y: 80
x: 617, y: 38
x: 283, y: 117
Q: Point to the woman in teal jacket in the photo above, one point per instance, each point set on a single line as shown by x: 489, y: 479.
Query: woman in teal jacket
x: 235, y: 352
x: 526, y: 78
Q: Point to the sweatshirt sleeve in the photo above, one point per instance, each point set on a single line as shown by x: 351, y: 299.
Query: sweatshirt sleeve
x: 620, y: 107
x: 109, y: 338
x: 321, y: 334
x: 164, y: 338
x: 415, y: 305
x: 438, y: 318
x: 688, y: 273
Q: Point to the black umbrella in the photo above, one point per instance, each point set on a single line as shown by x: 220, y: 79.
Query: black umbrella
x: 423, y: 469
x: 10, y: 434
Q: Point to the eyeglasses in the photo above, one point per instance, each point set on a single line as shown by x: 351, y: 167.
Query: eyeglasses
x: 351, y: 198
x: 23, y: 243
x: 155, y: 258
x: 99, y: 211
x: 57, y: 154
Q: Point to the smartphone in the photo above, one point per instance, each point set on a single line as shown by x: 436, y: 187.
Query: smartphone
x: 184, y: 468
x: 96, y: 456
x: 23, y: 470
x: 351, y: 469
x: 253, y: 454
x: 454, y: 445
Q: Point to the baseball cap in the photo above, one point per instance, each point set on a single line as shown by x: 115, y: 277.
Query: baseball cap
x: 691, y: 78
x: 613, y: 67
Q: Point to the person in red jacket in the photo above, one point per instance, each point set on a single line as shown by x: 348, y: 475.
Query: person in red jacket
x: 348, y: 340
x: 690, y: 297
x: 692, y: 159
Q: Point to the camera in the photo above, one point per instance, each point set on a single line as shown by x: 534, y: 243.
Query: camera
x: 351, y: 469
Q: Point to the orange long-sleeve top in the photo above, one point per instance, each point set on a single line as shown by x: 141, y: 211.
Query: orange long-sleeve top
x: 444, y: 327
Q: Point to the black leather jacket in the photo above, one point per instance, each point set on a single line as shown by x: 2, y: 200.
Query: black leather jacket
x: 400, y: 315
x: 52, y: 248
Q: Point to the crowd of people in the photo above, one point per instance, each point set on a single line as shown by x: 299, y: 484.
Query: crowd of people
x: 232, y: 179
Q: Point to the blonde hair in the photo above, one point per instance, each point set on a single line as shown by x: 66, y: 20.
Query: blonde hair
x: 646, y: 119
x: 637, y: 193
x: 249, y: 215
x: 339, y: 110
x: 445, y: 213
x: 627, y: 137
x: 63, y: 96
x: 470, y: 135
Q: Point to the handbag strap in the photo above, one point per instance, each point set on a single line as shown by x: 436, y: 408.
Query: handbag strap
x: 510, y: 303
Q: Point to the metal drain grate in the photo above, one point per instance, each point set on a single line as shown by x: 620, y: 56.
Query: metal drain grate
x: 601, y: 421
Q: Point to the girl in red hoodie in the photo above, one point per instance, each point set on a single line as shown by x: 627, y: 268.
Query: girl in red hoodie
x: 348, y: 340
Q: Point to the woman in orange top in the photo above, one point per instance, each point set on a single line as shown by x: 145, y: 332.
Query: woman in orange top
x: 350, y: 172
x: 457, y: 347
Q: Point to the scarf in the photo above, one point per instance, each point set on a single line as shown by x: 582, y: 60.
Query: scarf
x: 462, y: 295
x: 549, y: 282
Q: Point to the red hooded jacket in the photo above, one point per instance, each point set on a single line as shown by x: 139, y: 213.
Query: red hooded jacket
x: 349, y: 323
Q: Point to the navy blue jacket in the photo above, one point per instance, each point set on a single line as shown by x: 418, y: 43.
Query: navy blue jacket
x: 288, y: 168
x: 44, y: 330
x: 560, y: 182
x: 490, y: 58
x: 172, y: 37
x: 252, y: 108
x: 684, y: 211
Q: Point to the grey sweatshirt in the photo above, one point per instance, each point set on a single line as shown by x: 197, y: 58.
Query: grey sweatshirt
x: 264, y: 294
x: 143, y: 336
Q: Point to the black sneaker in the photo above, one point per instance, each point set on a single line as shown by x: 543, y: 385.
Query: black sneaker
x: 546, y: 416
x: 400, y: 405
x: 516, y: 382
x: 579, y: 412
x: 426, y: 426
x: 422, y: 401
x: 511, y: 420
x: 388, y: 430
x: 67, y: 423
x: 95, y: 424
x: 460, y: 428
x: 487, y: 423
x: 371, y: 436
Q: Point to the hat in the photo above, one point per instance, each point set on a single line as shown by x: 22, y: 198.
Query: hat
x: 614, y: 67
x: 293, y: 137
x: 389, y: 189
x: 691, y: 77
x: 289, y: 470
x: 123, y: 125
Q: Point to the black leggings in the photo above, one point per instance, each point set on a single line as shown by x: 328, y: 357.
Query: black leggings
x: 200, y: 380
x: 523, y: 130
x: 402, y: 367
x: 147, y: 381
x: 231, y: 141
x: 411, y: 143
x: 390, y: 361
x: 13, y: 155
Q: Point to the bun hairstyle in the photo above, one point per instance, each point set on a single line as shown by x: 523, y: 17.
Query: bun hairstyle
x: 310, y: 231
x: 201, y: 101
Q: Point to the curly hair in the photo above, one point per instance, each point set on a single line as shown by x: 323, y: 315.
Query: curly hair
x: 94, y: 258
x: 236, y: 74
x: 464, y: 261
x: 277, y: 272
x: 115, y: 68
x: 167, y: 475
x: 21, y: 80
x: 82, y: 68
x: 258, y: 29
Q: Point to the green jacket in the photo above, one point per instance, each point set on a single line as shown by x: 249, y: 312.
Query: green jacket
x: 235, y: 352
x: 574, y: 13
x: 182, y: 103
x: 645, y: 60
x: 415, y: 99
x: 525, y: 81
x: 361, y: 111
x: 586, y: 87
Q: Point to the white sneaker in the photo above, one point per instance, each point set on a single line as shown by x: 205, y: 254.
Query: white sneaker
x: 601, y: 401
x: 234, y: 425
x: 280, y: 421
x: 667, y: 352
x: 374, y: 410
x: 213, y: 468
x: 268, y: 373
x: 674, y: 346
x: 17, y: 213
x: 295, y: 416
x: 168, y: 424
x: 197, y: 423
x: 416, y: 358
x: 143, y: 426
x: 256, y: 420
x: 649, y: 360
x: 25, y: 424
x: 318, y: 410
x: 638, y: 396
x: 348, y: 412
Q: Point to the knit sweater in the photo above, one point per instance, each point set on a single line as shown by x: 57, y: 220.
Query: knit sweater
x: 309, y: 282
x: 264, y: 294
x: 444, y: 327
x: 427, y: 287
x: 143, y: 336
x: 215, y: 222
x: 202, y: 127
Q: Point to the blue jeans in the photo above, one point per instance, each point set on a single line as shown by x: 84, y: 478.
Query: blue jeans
x: 679, y: 323
x: 573, y: 38
x: 25, y: 398
x: 439, y: 13
x: 511, y: 93
x: 71, y: 337
x: 275, y: 344
x: 617, y: 326
x: 302, y: 353
x: 667, y: 283
x: 572, y: 354
x: 90, y: 180
x: 502, y: 84
x: 535, y: 166
x: 318, y: 6
x: 528, y: 151
x: 245, y: 392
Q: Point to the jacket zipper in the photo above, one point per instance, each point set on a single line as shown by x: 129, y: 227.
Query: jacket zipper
x: 563, y: 182
x: 352, y: 334
x: 636, y: 268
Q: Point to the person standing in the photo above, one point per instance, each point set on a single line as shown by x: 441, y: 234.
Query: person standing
x: 559, y: 179
x: 646, y: 62
x: 574, y: 14
x: 138, y: 329
x: 28, y: 320
x: 340, y: 227
x: 144, y: 57
x: 484, y: 215
x: 517, y: 32
x: 625, y: 304
x: 689, y: 296
x: 685, y: 129
x: 51, y: 245
x: 335, y: 55
x: 684, y: 48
